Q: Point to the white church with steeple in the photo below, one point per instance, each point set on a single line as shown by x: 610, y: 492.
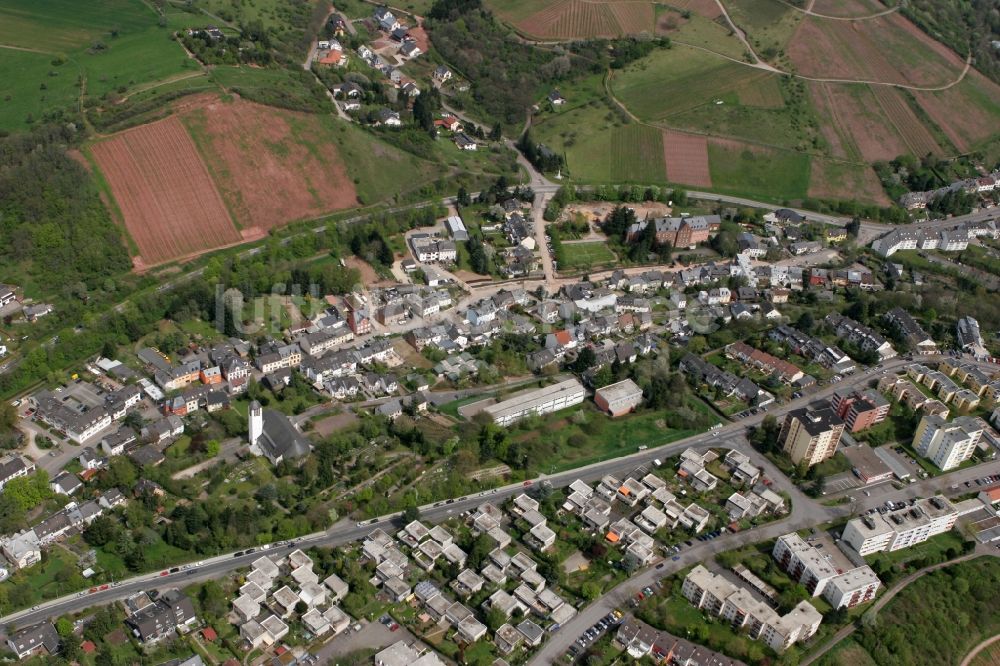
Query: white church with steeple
x: 273, y: 436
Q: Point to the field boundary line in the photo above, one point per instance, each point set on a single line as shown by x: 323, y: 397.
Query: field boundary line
x: 26, y: 49
x: 843, y: 131
x: 810, y: 12
x: 162, y: 82
x: 979, y: 648
x: 889, y: 116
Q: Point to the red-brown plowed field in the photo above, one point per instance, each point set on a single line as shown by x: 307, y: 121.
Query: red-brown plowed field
x: 170, y: 206
x: 916, y: 135
x: 633, y: 17
x: 581, y: 19
x: 967, y: 113
x: 571, y: 19
x: 856, y: 126
x: 888, y: 49
x: 272, y: 166
x: 686, y: 157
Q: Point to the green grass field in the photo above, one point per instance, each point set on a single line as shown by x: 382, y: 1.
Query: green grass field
x: 772, y: 126
x: 569, y: 441
x: 64, y: 25
x: 583, y: 135
x: 22, y: 76
x: 638, y: 154
x: 671, y: 81
x: 517, y: 10
x: 761, y: 173
x: 769, y: 24
x: 116, y: 45
x: 700, y: 31
x: 585, y: 255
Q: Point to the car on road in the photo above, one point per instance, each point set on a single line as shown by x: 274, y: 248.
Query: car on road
x: 526, y: 483
x: 660, y: 565
x: 164, y: 573
x: 675, y: 558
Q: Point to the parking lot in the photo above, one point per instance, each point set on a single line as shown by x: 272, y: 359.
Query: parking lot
x: 371, y: 635
x: 605, y: 624
x: 841, y: 482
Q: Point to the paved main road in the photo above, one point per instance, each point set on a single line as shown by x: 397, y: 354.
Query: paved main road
x: 799, y: 519
x: 804, y: 510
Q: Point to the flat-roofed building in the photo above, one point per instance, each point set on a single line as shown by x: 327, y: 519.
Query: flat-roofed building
x: 538, y: 401
x: 803, y: 562
x: 851, y: 588
x: 867, y: 465
x: 811, y: 434
x: 875, y: 532
x: 860, y: 409
x: 947, y: 444
x: 720, y: 598
x: 619, y: 398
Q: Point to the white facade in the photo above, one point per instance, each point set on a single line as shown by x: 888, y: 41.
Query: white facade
x: 945, y: 444
x: 906, y: 527
x: 540, y: 401
x: 852, y: 588
x: 718, y: 597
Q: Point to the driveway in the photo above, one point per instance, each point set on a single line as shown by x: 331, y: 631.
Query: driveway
x: 373, y: 635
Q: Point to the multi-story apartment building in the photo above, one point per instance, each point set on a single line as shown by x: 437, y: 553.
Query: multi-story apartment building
x: 947, y: 444
x: 811, y: 434
x: 718, y: 597
x: 860, y: 409
x: 810, y: 566
x: 803, y: 562
x: 875, y: 532
x: 852, y: 588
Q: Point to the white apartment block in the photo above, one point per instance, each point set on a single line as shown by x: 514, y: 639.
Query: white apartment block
x: 803, y: 562
x: 718, y: 597
x: 874, y: 533
x: 945, y: 444
x: 539, y: 401
x: 852, y: 588
x: 810, y: 566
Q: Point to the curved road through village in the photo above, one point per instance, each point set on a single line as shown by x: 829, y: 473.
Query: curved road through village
x: 805, y: 513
